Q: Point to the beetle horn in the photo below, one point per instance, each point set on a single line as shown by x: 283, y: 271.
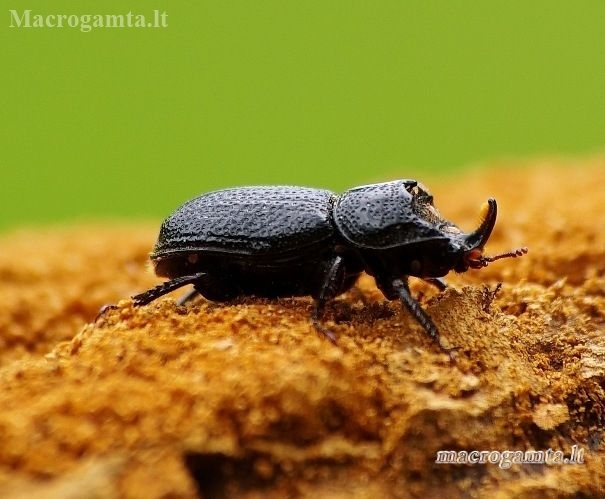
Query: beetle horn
x: 478, y: 238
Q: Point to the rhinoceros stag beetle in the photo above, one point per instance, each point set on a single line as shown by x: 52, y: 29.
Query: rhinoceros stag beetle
x: 275, y: 241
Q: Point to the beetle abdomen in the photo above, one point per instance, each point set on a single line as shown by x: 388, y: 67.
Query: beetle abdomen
x: 249, y: 221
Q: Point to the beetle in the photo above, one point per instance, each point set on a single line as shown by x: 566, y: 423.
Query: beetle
x: 277, y: 241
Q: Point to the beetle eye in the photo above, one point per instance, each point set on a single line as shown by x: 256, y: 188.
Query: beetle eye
x: 474, y: 259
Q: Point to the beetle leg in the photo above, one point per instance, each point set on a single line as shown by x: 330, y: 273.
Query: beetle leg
x: 187, y: 297
x: 438, y: 282
x: 402, y: 289
x: 164, y: 288
x: 329, y: 289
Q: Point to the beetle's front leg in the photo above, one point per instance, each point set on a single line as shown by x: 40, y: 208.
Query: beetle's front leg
x: 402, y: 289
x: 438, y: 282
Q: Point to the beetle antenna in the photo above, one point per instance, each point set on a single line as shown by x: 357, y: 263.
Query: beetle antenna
x: 509, y: 254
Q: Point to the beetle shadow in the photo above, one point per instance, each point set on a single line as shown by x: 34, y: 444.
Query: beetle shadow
x: 367, y: 313
x: 215, y: 474
x: 352, y: 307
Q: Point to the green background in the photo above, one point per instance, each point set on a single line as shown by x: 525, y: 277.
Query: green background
x: 131, y: 122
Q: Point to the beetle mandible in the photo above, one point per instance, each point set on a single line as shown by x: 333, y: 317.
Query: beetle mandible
x: 276, y: 241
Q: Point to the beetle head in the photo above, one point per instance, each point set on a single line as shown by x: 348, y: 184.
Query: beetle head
x: 474, y: 243
x: 455, y: 250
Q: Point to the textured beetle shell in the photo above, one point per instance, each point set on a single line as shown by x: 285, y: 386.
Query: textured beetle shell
x: 382, y: 216
x: 249, y: 221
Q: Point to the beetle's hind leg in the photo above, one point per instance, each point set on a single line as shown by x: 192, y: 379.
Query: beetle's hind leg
x: 165, y: 288
x: 330, y: 288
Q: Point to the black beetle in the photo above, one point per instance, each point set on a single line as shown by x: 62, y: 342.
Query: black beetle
x: 294, y: 241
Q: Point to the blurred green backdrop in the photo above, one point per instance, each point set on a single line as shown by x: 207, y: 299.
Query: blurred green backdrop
x: 130, y: 122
